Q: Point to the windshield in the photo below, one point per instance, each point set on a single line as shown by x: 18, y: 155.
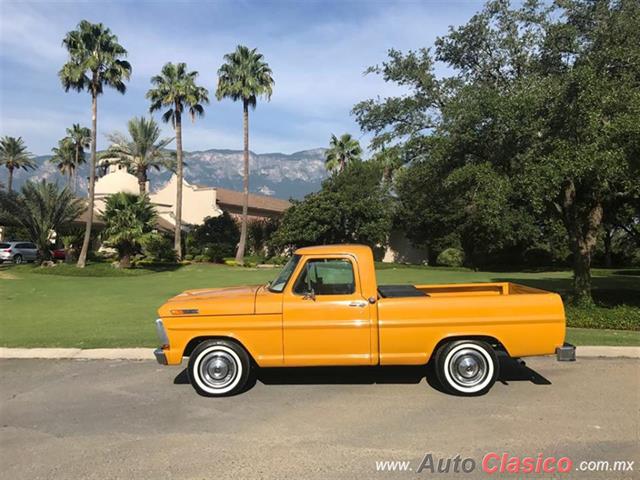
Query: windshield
x: 281, y: 280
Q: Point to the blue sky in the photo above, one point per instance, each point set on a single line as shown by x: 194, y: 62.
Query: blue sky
x: 317, y: 50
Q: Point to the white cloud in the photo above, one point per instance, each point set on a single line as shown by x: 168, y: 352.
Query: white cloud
x: 318, y: 65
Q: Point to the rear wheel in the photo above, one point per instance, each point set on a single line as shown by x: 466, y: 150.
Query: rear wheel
x: 467, y: 367
x: 219, y: 368
x: 18, y: 259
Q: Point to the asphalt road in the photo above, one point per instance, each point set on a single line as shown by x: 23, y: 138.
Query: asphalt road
x: 124, y: 419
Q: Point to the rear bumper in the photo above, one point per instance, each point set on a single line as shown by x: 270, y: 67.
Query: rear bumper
x: 161, y: 358
x: 566, y: 353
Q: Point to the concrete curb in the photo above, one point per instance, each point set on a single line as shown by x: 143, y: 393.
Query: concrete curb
x: 147, y: 353
x: 610, y: 352
x: 92, y: 353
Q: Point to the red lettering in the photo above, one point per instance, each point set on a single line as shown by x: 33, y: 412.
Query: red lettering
x: 565, y: 464
x: 528, y: 464
x: 485, y: 463
x: 545, y: 465
x: 513, y: 466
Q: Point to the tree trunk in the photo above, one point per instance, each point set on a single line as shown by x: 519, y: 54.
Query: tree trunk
x: 245, y: 186
x: 608, y: 234
x: 125, y: 261
x: 177, y: 240
x: 583, y: 235
x: 10, y: 180
x: 142, y: 181
x: 82, y: 258
x: 75, y: 171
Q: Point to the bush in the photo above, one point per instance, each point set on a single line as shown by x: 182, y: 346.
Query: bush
x: 158, y: 248
x: 217, y: 251
x: 188, y: 257
x: 620, y: 317
x: 200, y: 258
x: 277, y: 260
x: 259, y: 233
x: 221, y: 230
x: 451, y: 257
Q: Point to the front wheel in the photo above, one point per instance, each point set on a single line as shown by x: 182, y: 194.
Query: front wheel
x: 467, y: 367
x: 219, y: 368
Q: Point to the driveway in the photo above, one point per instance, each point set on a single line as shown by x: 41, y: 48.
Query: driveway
x: 135, y: 419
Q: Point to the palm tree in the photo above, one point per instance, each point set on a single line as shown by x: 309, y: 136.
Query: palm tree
x: 95, y: 61
x: 41, y: 208
x: 14, y: 156
x: 80, y: 137
x: 176, y: 89
x: 244, y: 76
x: 342, y: 151
x: 64, y: 159
x: 142, y: 152
x: 128, y: 218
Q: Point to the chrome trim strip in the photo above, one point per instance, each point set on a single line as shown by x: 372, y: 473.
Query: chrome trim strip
x: 162, y: 333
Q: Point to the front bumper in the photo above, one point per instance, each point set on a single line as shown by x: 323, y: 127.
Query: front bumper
x: 566, y: 353
x: 161, y: 358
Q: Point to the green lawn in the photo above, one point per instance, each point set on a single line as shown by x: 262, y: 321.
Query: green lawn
x: 592, y: 336
x: 44, y: 309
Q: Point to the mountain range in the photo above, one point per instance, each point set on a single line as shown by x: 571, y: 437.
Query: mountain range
x: 274, y: 174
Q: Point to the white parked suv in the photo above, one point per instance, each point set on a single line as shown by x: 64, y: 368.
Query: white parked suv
x: 18, y: 252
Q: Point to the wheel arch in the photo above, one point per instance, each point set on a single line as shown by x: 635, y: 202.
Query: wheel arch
x: 194, y: 342
x: 494, y: 342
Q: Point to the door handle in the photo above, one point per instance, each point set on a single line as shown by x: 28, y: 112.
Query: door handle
x: 358, y: 304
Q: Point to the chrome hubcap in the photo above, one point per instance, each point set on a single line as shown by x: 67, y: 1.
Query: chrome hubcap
x: 468, y: 367
x: 218, y: 369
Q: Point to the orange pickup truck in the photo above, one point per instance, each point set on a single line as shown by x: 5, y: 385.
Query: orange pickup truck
x: 325, y: 308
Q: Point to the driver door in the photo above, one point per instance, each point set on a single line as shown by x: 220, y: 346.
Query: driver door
x: 326, y: 321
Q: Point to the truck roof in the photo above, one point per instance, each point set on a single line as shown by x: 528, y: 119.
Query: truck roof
x: 353, y: 249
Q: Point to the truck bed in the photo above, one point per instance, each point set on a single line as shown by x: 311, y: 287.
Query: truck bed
x: 525, y: 320
x: 455, y: 290
x: 477, y: 289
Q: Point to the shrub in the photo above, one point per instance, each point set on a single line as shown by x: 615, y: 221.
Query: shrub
x: 277, y: 260
x: 128, y: 220
x: 221, y: 230
x: 259, y: 233
x: 620, y: 317
x: 451, y: 257
x: 188, y: 257
x: 158, y: 248
x: 200, y: 258
x: 217, y: 251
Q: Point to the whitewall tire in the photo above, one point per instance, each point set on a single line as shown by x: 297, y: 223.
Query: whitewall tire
x: 219, y: 368
x: 467, y: 367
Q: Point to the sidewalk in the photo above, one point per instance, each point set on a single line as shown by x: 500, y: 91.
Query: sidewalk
x: 147, y: 353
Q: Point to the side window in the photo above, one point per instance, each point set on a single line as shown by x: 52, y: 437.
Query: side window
x: 329, y: 276
x: 31, y: 246
x: 22, y: 245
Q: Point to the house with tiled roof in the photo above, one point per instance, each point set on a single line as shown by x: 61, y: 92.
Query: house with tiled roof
x: 198, y: 201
